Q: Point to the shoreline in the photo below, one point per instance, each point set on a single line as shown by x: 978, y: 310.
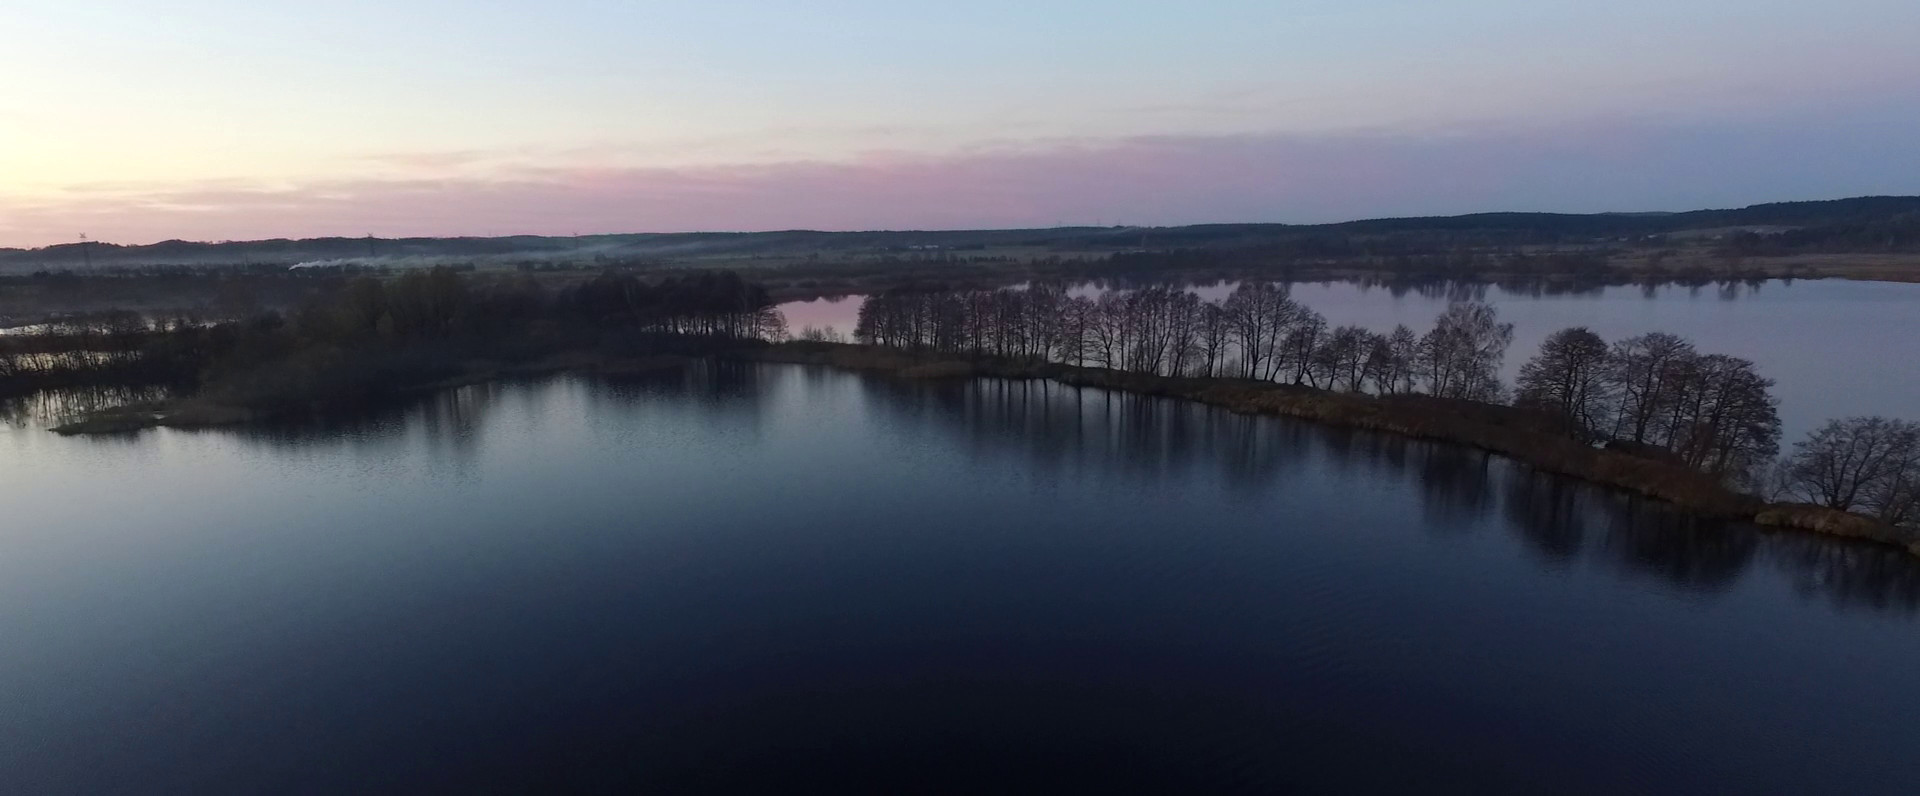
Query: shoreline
x: 1492, y: 428
x: 1502, y: 430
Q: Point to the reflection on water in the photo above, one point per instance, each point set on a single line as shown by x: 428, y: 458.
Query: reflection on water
x: 50, y: 407
x: 734, y: 577
x: 1069, y: 431
x: 1846, y: 575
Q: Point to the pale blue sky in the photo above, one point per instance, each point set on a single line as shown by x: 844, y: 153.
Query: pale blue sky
x: 138, y: 118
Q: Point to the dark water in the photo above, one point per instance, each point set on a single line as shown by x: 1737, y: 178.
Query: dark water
x: 777, y: 579
x: 1835, y: 348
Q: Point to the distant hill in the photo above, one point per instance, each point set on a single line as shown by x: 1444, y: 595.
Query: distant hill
x: 1874, y: 223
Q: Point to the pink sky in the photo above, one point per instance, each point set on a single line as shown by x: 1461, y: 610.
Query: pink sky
x: 1599, y: 166
x: 223, y: 120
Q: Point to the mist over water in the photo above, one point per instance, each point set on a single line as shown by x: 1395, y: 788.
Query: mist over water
x: 741, y: 577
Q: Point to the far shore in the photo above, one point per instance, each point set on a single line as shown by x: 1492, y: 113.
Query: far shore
x: 787, y: 285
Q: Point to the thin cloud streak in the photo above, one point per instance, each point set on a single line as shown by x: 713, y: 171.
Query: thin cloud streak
x: 1160, y: 180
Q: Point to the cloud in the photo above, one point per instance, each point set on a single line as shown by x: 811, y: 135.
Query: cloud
x: 1596, y: 165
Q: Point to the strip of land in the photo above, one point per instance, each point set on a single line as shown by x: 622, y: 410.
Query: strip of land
x: 1867, y: 238
x: 1490, y: 427
x: 1495, y: 428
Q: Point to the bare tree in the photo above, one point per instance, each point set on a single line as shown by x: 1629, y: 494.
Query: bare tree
x: 1644, y: 374
x: 1216, y: 332
x: 1725, y: 420
x: 1077, y: 317
x: 1345, y: 358
x: 1260, y: 313
x: 1568, y: 377
x: 1107, y: 328
x: 1896, y: 500
x: 1394, y: 361
x: 1870, y: 463
x: 1299, y: 344
x: 1461, y: 356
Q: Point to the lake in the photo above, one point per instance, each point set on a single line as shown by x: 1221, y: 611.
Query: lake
x: 775, y: 578
x: 1836, y: 348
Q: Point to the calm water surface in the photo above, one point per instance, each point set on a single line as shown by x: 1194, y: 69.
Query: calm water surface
x: 1836, y: 348
x: 777, y: 578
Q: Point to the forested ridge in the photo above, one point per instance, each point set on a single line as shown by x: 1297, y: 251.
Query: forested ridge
x: 1861, y: 224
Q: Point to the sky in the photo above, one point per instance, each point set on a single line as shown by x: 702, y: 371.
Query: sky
x: 135, y: 121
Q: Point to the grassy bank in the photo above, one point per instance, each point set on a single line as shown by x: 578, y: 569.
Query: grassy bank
x: 1531, y: 439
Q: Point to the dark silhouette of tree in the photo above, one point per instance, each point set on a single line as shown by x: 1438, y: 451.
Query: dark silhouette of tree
x: 1567, y: 377
x: 1725, y: 420
x: 1461, y: 356
x: 1345, y: 358
x: 1216, y: 334
x: 1393, y: 359
x: 1301, y: 341
x: 1859, y: 463
x: 1654, y: 395
x: 1645, y: 374
x: 1713, y: 413
x: 1260, y: 313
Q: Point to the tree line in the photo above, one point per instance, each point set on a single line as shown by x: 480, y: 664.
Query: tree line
x: 373, y: 334
x: 1258, y: 332
x: 1653, y: 395
x: 91, y: 349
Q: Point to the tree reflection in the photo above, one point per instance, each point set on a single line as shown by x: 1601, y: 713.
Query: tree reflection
x: 1847, y: 575
x: 1456, y: 484
x: 730, y: 389
x: 450, y: 422
x: 1697, y: 555
x: 1550, y: 513
x: 1156, y: 441
x: 1090, y: 430
x: 51, y: 407
x: 1555, y: 516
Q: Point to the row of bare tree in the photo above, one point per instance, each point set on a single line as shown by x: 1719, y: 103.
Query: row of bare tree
x: 1654, y: 394
x: 83, y: 344
x: 1258, y: 332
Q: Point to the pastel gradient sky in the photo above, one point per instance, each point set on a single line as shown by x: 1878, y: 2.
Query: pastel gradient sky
x: 136, y: 121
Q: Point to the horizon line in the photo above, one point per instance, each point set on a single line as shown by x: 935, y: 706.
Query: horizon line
x: 84, y: 240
